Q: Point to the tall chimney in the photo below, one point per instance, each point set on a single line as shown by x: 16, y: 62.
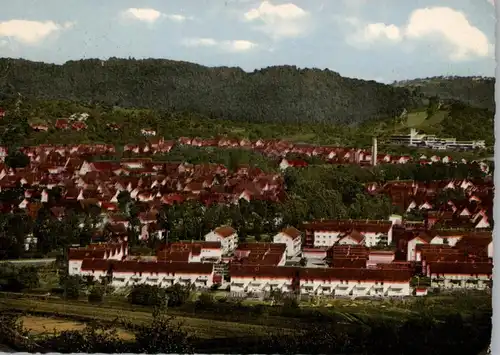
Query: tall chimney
x: 374, y: 151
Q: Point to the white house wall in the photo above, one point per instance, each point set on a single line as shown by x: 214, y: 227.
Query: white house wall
x: 333, y: 288
x: 293, y: 246
x: 325, y: 238
x: 412, y: 255
x: 124, y: 279
x: 258, y: 284
x: 459, y: 281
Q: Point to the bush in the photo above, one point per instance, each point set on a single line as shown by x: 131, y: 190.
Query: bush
x: 147, y: 295
x: 96, y: 294
x: 205, y: 301
x: 72, y: 286
x: 178, y: 295
x: 14, y: 279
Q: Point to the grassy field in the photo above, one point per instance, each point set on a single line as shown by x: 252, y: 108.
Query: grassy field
x: 415, y: 119
x: 38, y: 325
x: 202, y: 328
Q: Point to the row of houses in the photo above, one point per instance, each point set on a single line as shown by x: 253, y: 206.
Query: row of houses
x: 469, y: 204
x: 349, y: 269
x: 272, y: 148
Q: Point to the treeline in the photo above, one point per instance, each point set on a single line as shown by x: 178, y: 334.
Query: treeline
x: 273, y: 94
x: 469, y: 123
x: 474, y: 91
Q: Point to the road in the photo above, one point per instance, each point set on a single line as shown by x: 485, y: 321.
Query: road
x: 30, y: 261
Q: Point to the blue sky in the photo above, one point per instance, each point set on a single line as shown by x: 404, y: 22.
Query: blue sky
x: 384, y: 40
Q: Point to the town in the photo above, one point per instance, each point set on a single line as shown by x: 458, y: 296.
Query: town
x: 450, y: 247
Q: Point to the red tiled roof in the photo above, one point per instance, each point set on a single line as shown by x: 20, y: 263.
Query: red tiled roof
x: 354, y: 274
x: 292, y: 232
x: 129, y: 266
x: 224, y: 231
x: 460, y: 268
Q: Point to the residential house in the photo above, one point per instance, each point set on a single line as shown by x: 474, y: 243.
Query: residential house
x: 292, y: 237
x: 226, y: 235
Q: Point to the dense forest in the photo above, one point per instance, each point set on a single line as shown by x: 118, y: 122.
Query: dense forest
x: 273, y: 94
x: 474, y: 91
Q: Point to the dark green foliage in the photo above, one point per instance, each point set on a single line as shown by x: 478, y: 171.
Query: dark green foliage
x: 17, y: 159
x: 147, y: 295
x: 478, y: 92
x: 278, y: 94
x: 72, y: 286
x: 468, y: 123
x: 93, y: 339
x: 96, y: 294
x: 205, y: 301
x: 15, y: 279
x: 162, y: 336
x: 229, y: 157
x: 178, y: 295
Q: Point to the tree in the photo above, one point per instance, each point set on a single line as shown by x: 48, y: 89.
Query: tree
x: 96, y: 294
x: 148, y: 295
x: 178, y: 295
x: 17, y: 159
x: 162, y: 336
x: 15, y: 279
x: 72, y: 285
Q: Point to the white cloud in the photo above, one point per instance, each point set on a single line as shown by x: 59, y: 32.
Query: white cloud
x: 492, y: 2
x: 151, y: 15
x: 375, y: 31
x: 279, y: 21
x: 31, y: 32
x: 228, y: 45
x: 461, y: 40
x: 199, y: 42
x: 464, y: 39
x: 146, y: 15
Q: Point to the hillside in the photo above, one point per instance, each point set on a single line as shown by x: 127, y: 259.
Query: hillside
x: 475, y: 91
x: 274, y: 94
x: 456, y: 120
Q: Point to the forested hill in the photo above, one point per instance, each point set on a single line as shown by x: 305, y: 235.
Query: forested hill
x: 274, y: 94
x: 474, y: 91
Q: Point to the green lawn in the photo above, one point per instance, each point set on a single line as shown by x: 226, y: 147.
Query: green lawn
x: 416, y: 119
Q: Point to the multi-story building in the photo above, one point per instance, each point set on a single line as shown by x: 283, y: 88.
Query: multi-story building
x: 225, y: 235
x: 292, y: 237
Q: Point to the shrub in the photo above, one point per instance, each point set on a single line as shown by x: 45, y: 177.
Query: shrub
x: 96, y: 294
x: 72, y: 286
x: 205, y: 301
x: 147, y: 295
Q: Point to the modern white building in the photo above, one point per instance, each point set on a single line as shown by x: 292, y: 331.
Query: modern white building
x: 414, y: 138
x: 226, y: 235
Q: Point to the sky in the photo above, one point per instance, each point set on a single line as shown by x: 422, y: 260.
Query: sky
x: 383, y: 40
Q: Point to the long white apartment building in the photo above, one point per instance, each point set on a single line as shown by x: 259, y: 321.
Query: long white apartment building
x: 320, y: 281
